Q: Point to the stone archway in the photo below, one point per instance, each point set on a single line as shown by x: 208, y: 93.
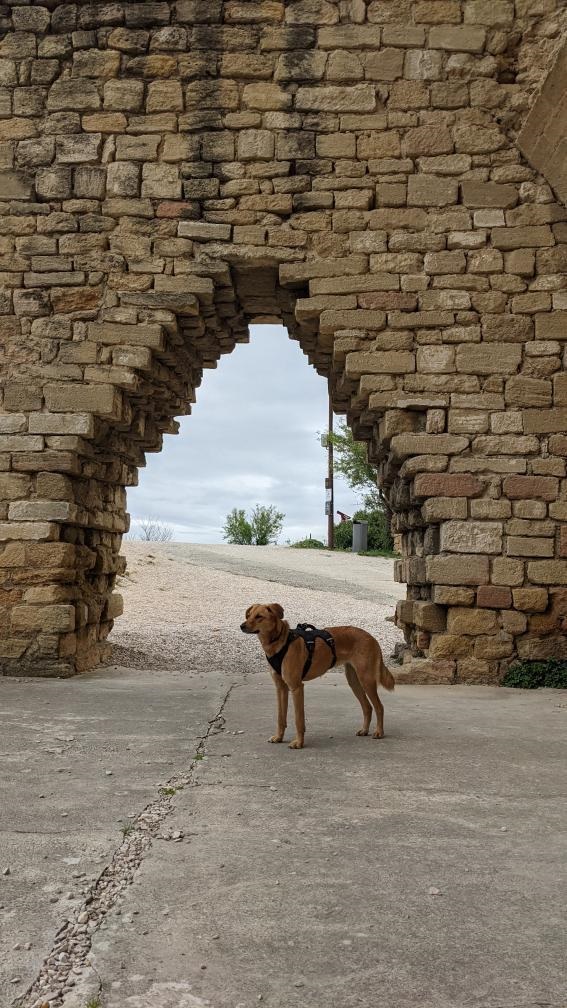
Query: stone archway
x: 172, y: 172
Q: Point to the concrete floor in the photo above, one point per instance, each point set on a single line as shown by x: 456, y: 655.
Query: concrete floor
x: 426, y: 869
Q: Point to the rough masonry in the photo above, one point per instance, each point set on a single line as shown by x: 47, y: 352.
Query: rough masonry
x: 171, y: 172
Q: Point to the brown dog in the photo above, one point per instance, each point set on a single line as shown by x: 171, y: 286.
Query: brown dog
x: 356, y: 649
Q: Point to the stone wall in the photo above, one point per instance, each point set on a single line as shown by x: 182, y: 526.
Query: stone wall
x: 543, y: 138
x: 171, y: 172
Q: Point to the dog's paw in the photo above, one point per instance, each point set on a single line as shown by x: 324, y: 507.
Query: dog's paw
x: 296, y: 744
x: 362, y: 732
x: 378, y: 734
x: 276, y: 738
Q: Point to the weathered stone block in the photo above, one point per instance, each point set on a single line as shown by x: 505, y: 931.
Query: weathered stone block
x: 311, y: 12
x: 385, y: 65
x: 161, y: 180
x: 507, y: 572
x: 488, y: 359
x: 358, y: 98
x: 123, y: 179
x: 27, y: 530
x: 438, y: 509
x: 522, y: 237
x: 551, y: 326
x: 471, y: 537
x: 489, y: 194
x: 265, y: 97
x: 537, y: 487
x: 548, y: 572
x: 458, y: 570
x: 102, y: 400
x: 494, y: 597
x: 423, y: 671
x: 48, y: 619
x: 545, y: 421
x: 255, y: 145
x: 444, y: 645
x: 523, y: 391
x: 529, y: 546
x: 531, y: 599
x: 74, y: 94
x: 114, y: 606
x: 472, y: 622
x: 451, y: 595
x: 41, y: 511
x: 377, y: 362
x: 446, y: 485
x: 457, y: 38
x: 429, y: 616
x: 431, y: 191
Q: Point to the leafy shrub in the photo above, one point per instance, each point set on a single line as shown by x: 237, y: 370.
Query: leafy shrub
x: 263, y: 526
x: 525, y: 674
x: 343, y: 535
x: 308, y: 544
x: 237, y: 529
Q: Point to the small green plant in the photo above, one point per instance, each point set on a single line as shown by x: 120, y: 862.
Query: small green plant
x: 526, y: 674
x: 94, y: 1003
x: 199, y: 756
x: 308, y: 544
x: 168, y: 791
x: 127, y: 828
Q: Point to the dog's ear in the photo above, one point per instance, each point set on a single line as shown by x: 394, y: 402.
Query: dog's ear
x: 277, y: 609
x: 248, y: 611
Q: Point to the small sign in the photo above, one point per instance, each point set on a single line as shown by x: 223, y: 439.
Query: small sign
x: 329, y: 494
x: 328, y: 507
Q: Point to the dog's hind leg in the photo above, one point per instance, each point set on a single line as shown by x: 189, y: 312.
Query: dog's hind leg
x: 354, y: 683
x: 367, y: 677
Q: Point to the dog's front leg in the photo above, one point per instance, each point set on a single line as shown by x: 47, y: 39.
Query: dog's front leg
x: 299, y: 713
x: 282, y: 695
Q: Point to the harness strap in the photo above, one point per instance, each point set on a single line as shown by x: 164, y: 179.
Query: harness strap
x: 309, y: 634
x: 276, y: 660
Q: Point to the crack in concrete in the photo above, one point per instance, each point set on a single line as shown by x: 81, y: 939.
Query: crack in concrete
x: 73, y: 940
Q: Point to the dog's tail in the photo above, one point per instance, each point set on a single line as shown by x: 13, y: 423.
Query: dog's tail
x: 385, y: 677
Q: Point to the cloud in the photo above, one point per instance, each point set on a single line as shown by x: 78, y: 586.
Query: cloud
x: 252, y: 438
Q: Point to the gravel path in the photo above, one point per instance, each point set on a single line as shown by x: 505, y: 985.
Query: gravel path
x: 184, y: 604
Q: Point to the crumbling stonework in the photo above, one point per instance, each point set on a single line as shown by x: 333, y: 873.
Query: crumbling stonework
x: 171, y: 172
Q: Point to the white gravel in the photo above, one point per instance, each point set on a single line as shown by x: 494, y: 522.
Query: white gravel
x: 185, y: 615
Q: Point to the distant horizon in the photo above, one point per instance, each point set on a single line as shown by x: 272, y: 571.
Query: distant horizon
x: 253, y: 437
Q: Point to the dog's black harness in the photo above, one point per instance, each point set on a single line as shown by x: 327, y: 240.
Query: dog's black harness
x: 308, y: 635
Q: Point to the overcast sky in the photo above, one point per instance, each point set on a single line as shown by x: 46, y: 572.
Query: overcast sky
x: 252, y: 438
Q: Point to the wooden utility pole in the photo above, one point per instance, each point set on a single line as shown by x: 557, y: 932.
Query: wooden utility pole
x: 330, y: 503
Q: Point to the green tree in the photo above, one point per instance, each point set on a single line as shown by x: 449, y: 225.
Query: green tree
x: 266, y: 524
x: 263, y: 526
x: 351, y: 461
x: 237, y: 529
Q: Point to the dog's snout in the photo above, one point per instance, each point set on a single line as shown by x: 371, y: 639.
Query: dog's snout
x: 243, y: 627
